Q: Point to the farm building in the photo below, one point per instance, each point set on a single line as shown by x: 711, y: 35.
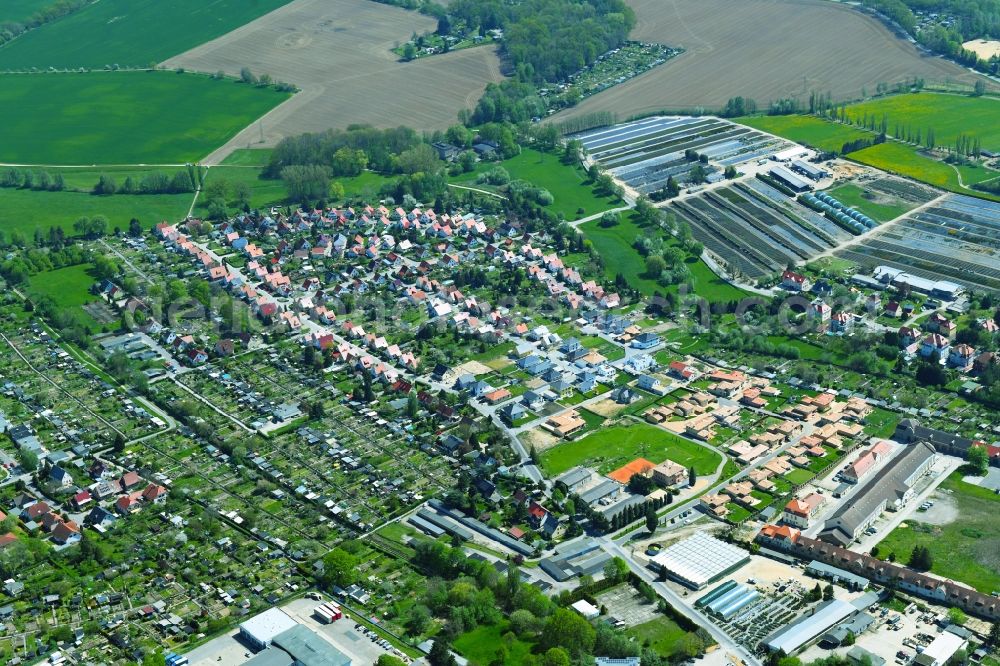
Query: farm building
x: 797, y: 635
x: 728, y: 599
x: 789, y: 179
x: 808, y: 170
x: 700, y: 560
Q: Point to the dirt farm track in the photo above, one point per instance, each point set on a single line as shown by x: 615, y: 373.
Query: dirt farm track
x: 763, y: 49
x: 338, y: 53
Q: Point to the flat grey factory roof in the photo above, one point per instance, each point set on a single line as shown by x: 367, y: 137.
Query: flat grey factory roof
x: 805, y: 629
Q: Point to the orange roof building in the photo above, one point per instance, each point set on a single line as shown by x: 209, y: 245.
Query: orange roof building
x: 625, y: 473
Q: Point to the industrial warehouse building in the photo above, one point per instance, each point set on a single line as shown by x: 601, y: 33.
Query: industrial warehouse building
x: 700, y: 560
x: 799, y: 634
x: 260, y: 630
x: 284, y: 642
x: 889, y: 488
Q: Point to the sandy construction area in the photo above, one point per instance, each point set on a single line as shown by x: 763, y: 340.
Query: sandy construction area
x: 984, y: 48
x: 338, y: 53
x: 763, y: 49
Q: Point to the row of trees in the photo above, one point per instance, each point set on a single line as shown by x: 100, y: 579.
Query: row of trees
x: 12, y: 29
x: 153, y: 182
x: 32, y: 180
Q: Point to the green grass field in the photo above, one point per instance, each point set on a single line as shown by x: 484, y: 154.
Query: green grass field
x: 615, y: 245
x: 905, y: 160
x: 123, y: 117
x: 129, y: 32
x: 569, y: 185
x: 882, y: 422
x: 68, y: 287
x: 947, y: 115
x: 26, y: 210
x: 20, y: 10
x: 851, y: 195
x: 967, y: 549
x: 611, y: 447
x: 248, y: 157
x: 810, y: 130
x: 480, y: 646
x: 799, y: 476
x: 660, y: 633
x: 262, y: 192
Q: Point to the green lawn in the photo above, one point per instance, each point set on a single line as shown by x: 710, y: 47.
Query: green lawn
x: 947, y: 115
x: 69, y: 288
x: 129, y: 32
x: 615, y: 245
x: 262, y: 192
x: 660, y: 633
x: 905, y: 160
x: 851, y: 195
x: 123, y: 117
x: 19, y: 10
x: 611, y: 447
x: 967, y: 549
x: 248, y: 157
x: 480, y: 646
x: 799, y: 476
x: 569, y: 185
x: 810, y: 130
x: 882, y: 422
x: 24, y: 211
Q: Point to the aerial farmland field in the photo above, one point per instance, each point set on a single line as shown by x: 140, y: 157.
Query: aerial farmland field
x: 763, y: 50
x: 947, y: 115
x: 127, y: 32
x: 339, y: 53
x: 905, y: 160
x: 122, y: 118
x: 19, y: 10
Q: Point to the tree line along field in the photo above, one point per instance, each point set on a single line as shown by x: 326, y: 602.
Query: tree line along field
x: 763, y: 50
x: 127, y: 32
x: 948, y: 115
x: 123, y: 117
x: 810, y: 130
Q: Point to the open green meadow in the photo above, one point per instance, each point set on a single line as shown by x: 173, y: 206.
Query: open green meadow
x: 569, y: 185
x: 967, y: 549
x: 248, y: 157
x: 661, y: 634
x: 883, y: 210
x: 133, y: 33
x: 947, y: 115
x: 809, y: 130
x: 480, y: 646
x: 123, y: 117
x: 24, y: 211
x: 20, y: 10
x: 615, y: 245
x: 68, y: 287
x: 906, y: 161
x: 263, y: 192
x: 611, y: 447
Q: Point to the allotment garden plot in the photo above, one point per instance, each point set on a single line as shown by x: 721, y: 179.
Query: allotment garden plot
x: 957, y: 239
x: 645, y: 153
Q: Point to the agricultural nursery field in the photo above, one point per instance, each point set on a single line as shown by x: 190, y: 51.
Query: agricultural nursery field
x: 786, y: 49
x: 119, y: 118
x: 128, y: 32
x: 611, y: 447
x: 644, y: 154
x: 905, y: 160
x: 878, y: 205
x: 966, y: 548
x: 755, y: 229
x: 298, y: 42
x: 948, y: 115
x: 808, y: 130
x: 956, y: 238
x: 24, y: 211
x: 572, y: 192
x: 615, y: 245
